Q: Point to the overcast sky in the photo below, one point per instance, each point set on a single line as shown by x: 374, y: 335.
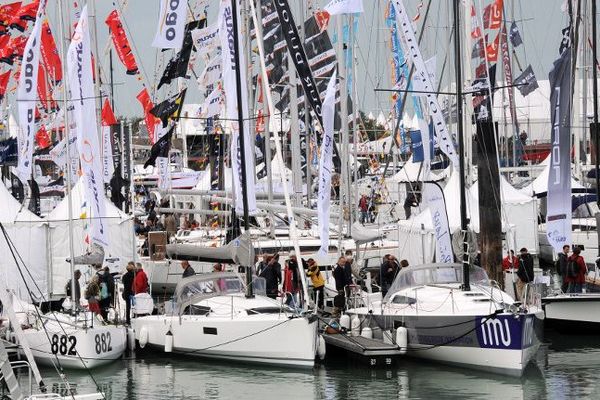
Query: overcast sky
x: 540, y: 22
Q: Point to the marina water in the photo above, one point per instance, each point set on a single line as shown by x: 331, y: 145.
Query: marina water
x: 566, y: 367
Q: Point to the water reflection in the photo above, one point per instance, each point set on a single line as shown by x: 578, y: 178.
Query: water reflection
x: 566, y: 367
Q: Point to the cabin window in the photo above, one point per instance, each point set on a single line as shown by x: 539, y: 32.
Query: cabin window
x: 210, y: 331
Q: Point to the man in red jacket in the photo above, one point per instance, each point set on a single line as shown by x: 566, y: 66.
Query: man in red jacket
x: 140, y: 282
x: 576, y: 272
x: 510, y: 261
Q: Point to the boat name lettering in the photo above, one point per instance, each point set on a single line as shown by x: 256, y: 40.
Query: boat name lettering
x: 494, y: 333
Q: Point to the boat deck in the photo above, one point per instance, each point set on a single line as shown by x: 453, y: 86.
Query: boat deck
x: 374, y: 353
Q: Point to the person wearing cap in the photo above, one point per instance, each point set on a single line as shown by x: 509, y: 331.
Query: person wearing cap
x: 318, y: 282
x: 524, y: 272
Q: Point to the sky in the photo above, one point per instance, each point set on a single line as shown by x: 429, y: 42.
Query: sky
x: 540, y: 22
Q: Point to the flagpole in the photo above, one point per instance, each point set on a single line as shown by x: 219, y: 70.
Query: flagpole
x: 241, y: 134
x: 68, y: 190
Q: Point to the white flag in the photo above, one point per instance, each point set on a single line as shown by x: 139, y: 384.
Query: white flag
x: 211, y: 73
x: 108, y: 167
x: 326, y: 165
x: 443, y: 138
x: 205, y: 39
x: 171, y: 24
x: 434, y: 198
x: 431, y: 66
x: 164, y: 174
x: 58, y: 154
x: 79, y: 66
x: 213, y: 104
x: 26, y: 97
x: 231, y: 104
x: 336, y: 7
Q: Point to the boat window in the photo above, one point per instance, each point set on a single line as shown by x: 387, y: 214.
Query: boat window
x: 434, y: 274
x: 399, y: 299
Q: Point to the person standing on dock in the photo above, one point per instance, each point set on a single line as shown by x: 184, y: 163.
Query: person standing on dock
x: 127, y: 280
x: 187, y: 269
x: 140, y: 282
x: 576, y: 271
x: 339, y: 274
x: 561, y: 267
x: 525, y: 272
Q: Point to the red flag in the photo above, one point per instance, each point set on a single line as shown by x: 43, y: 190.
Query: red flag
x: 476, y: 30
x: 49, y: 53
x: 492, y: 49
x: 42, y: 138
x: 151, y: 121
x: 119, y: 38
x: 496, y: 14
x: 45, y: 92
x: 14, y: 48
x: 487, y: 12
x: 4, y: 79
x: 322, y: 18
x: 25, y: 13
x: 108, y: 117
x: 6, y: 13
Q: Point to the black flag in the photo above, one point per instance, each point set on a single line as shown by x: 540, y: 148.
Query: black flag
x: 169, y: 108
x: 34, y: 201
x: 178, y: 65
x: 160, y: 148
x: 565, y: 43
x: 526, y: 82
x: 514, y: 35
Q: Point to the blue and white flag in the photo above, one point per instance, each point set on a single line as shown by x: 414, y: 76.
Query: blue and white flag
x: 326, y: 165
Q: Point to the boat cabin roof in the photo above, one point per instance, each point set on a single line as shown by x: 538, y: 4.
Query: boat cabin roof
x: 435, y: 274
x: 194, y: 289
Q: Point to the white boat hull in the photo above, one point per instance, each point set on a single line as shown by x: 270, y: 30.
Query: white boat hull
x: 265, y: 339
x: 573, y: 312
x: 76, y: 347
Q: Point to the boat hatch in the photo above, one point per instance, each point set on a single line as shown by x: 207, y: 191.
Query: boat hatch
x: 403, y: 300
x: 264, y: 310
x: 194, y: 309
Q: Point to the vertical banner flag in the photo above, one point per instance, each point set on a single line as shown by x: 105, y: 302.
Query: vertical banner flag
x: 558, y: 221
x: 171, y: 24
x: 326, y: 165
x: 119, y: 38
x: 108, y: 119
x: 229, y: 84
x: 336, y: 7
x: 442, y: 136
x: 434, y: 198
x: 79, y: 67
x: 26, y: 96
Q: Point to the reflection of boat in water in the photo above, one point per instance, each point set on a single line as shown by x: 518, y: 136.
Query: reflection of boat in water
x: 212, y: 318
x: 481, y: 328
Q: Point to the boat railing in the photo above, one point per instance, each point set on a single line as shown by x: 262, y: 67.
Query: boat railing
x: 21, y: 364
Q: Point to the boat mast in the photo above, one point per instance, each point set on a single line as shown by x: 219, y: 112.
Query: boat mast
x: 461, y: 144
x: 68, y: 190
x: 595, y: 127
x: 241, y: 134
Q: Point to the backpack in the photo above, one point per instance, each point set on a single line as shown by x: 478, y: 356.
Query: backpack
x: 572, y: 268
x: 103, y: 291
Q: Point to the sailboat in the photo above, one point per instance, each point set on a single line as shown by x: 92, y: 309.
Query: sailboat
x: 579, y: 312
x: 222, y: 315
x: 453, y: 313
x: 77, y: 339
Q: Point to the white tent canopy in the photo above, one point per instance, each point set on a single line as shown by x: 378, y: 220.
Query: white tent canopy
x: 412, y: 172
x: 120, y: 235
x: 519, y: 219
x: 540, y: 184
x: 28, y: 233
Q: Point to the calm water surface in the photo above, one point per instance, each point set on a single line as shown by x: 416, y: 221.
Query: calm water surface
x: 565, y: 368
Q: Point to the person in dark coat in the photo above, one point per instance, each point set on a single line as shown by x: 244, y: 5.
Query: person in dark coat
x: 187, y: 269
x: 271, y: 275
x: 561, y: 268
x: 68, y: 288
x: 339, y: 274
x: 106, y: 302
x: 525, y: 271
x: 127, y: 280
